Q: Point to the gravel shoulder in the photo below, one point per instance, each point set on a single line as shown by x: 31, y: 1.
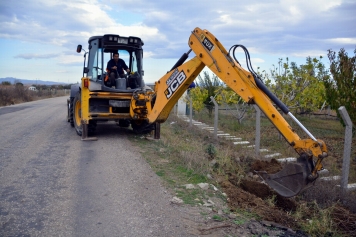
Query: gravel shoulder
x: 52, y: 183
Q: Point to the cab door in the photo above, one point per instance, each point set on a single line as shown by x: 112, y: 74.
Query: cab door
x: 95, y: 62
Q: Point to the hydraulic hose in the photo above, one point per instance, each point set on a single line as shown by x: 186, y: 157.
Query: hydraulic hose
x: 265, y: 90
x: 270, y: 95
x: 258, y: 80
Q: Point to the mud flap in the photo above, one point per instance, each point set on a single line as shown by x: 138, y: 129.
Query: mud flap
x: 291, y: 180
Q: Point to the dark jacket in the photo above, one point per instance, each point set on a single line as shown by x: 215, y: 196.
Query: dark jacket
x: 121, y: 65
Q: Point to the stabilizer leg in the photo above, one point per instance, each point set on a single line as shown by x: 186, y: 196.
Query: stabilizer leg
x: 85, y: 133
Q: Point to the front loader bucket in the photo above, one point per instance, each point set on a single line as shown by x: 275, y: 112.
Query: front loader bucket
x: 289, y: 181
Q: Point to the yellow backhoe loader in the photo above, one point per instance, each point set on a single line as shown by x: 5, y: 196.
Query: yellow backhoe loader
x: 130, y: 102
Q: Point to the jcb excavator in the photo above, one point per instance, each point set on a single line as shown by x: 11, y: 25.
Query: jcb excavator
x: 129, y: 101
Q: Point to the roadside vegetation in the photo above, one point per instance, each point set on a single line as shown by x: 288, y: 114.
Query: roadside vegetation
x: 11, y: 94
x: 189, y: 155
x: 304, y: 89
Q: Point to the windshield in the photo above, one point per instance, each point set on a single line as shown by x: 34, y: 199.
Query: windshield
x: 124, y: 55
x: 99, y: 58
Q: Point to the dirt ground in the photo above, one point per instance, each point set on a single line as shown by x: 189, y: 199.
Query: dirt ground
x: 266, y: 212
x: 239, y: 198
x: 198, y: 225
x: 247, y: 196
x: 251, y: 195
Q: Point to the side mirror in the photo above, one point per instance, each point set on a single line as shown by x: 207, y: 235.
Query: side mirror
x: 86, y: 70
x: 79, y: 48
x: 142, y: 72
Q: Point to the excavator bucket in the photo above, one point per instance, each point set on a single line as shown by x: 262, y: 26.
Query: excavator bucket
x: 291, y: 180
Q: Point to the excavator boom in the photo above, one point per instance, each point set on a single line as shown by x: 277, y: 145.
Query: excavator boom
x: 211, y: 53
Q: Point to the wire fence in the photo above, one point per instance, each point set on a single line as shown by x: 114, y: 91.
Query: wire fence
x: 251, y: 123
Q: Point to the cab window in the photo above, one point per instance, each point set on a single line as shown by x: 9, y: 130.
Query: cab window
x: 95, y: 61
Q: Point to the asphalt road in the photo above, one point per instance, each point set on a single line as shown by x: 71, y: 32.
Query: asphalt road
x: 54, y: 184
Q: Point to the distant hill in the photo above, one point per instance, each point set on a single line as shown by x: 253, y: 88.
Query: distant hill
x: 30, y: 82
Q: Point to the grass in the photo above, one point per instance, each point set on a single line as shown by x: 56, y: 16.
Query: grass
x: 217, y: 218
x: 160, y: 173
x: 179, y: 159
x: 328, y: 129
x: 191, y: 176
x: 243, y: 216
x: 271, y: 201
x: 11, y: 94
x: 240, y: 221
x: 246, y: 214
x: 318, y: 221
x: 187, y: 155
x: 190, y: 196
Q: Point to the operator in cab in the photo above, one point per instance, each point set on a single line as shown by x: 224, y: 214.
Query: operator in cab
x: 116, y: 67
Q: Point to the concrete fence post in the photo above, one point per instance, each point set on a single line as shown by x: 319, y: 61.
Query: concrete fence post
x: 258, y: 130
x: 175, y: 109
x: 216, y: 106
x: 347, y: 148
x: 190, y: 110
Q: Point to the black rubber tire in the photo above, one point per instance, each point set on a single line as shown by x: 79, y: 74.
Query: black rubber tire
x: 70, y: 111
x: 142, y: 127
x: 77, y: 114
x: 76, y: 110
x: 124, y: 123
x: 68, y: 108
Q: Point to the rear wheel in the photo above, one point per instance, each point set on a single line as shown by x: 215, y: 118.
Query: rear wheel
x: 77, y: 117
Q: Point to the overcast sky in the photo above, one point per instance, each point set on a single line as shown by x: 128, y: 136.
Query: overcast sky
x: 38, y: 38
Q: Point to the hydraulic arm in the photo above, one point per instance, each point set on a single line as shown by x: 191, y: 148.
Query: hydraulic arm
x: 209, y: 52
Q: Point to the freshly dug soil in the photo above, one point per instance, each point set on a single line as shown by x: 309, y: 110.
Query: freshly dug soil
x: 239, y: 198
x: 252, y: 195
x: 270, y: 167
x: 263, y: 191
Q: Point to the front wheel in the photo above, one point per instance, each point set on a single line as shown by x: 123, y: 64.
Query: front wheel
x: 77, y: 114
x: 77, y: 117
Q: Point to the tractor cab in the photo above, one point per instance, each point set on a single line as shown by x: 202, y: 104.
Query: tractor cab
x: 101, y: 50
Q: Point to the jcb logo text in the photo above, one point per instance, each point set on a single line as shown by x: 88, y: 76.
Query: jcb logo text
x: 175, y: 84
